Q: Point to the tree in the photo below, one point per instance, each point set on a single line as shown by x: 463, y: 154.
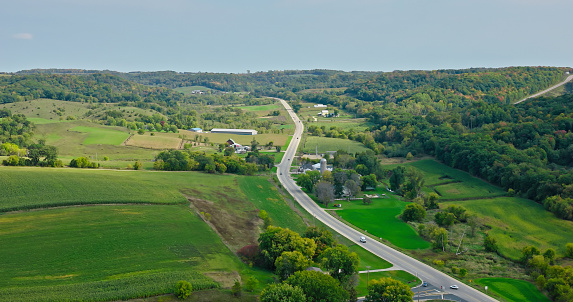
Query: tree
x: 475, y: 223
x: 549, y: 255
x: 290, y: 262
x: 137, y: 165
x: 352, y: 186
x: 439, y: 238
x: 413, y: 212
x: 183, y: 289
x: 369, y: 181
x: 528, y: 252
x: 490, y: 244
x: 366, y: 200
x: 317, y: 286
x: 276, y: 240
x: 321, y: 236
x: 463, y: 272
x: 229, y: 151
x: 324, y: 192
x: 431, y: 201
x: 397, y: 178
x: 237, y: 289
x: 569, y: 250
x: 340, y: 262
x: 282, y: 292
x: 389, y: 290
x: 305, y: 182
x: 251, y: 284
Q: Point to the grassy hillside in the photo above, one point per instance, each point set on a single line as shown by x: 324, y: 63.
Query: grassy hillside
x: 514, y: 222
x: 324, y: 144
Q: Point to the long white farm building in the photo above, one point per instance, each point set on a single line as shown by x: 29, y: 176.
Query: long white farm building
x: 235, y: 131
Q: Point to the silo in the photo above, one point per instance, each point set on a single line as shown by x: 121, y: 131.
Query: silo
x: 322, y: 165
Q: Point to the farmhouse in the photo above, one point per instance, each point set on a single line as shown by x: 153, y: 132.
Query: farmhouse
x: 235, y: 131
x: 238, y: 148
x: 323, y: 113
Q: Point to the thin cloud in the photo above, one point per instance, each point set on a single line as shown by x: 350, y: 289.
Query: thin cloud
x: 23, y: 36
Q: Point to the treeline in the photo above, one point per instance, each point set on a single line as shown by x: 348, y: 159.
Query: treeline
x: 15, y: 128
x: 497, y: 86
x: 186, y: 160
x: 94, y: 88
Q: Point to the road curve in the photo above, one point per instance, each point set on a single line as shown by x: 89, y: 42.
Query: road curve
x: 399, y: 260
x: 568, y: 79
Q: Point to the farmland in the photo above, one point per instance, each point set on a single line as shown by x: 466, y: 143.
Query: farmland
x: 102, y: 136
x: 158, y: 141
x: 142, y: 249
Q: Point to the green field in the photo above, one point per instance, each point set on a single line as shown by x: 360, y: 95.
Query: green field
x: 158, y: 141
x: 513, y: 290
x: 517, y: 222
x: 380, y: 220
x: 102, y: 136
x: 70, y: 143
x: 310, y: 143
x: 262, y: 107
x: 467, y: 189
x: 368, y: 259
x: 48, y: 253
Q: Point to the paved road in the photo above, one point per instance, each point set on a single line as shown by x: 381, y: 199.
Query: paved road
x: 568, y: 79
x: 399, y: 260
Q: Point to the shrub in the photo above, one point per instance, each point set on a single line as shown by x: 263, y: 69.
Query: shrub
x: 237, y: 289
x: 251, y: 284
x: 137, y: 165
x: 183, y: 289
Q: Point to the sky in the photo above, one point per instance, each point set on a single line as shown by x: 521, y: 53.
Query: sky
x: 236, y: 36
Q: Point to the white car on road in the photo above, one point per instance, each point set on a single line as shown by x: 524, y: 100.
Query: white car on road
x: 362, y: 239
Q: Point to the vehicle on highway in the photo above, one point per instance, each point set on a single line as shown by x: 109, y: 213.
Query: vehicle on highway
x: 281, y: 173
x: 454, y: 286
x: 425, y: 284
x: 362, y: 239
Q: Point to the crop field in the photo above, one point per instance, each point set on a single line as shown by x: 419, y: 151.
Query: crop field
x: 310, y: 143
x: 379, y: 219
x: 141, y: 250
x: 517, y: 222
x: 102, y: 136
x: 269, y: 107
x: 513, y: 290
x: 157, y: 141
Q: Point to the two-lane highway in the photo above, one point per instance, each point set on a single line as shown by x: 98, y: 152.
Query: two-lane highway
x: 404, y: 262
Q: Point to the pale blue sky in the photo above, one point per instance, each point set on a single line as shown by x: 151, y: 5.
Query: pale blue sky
x: 261, y: 35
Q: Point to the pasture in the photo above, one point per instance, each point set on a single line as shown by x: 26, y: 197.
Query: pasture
x: 70, y: 143
x: 47, y: 109
x: 310, y: 143
x: 102, y: 136
x: 86, y: 253
x: 380, y: 220
x: 513, y: 290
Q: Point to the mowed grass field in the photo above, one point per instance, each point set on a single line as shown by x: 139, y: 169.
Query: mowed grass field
x: 220, y: 138
x: 380, y: 220
x: 310, y: 143
x: 48, y: 252
x: 513, y: 290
